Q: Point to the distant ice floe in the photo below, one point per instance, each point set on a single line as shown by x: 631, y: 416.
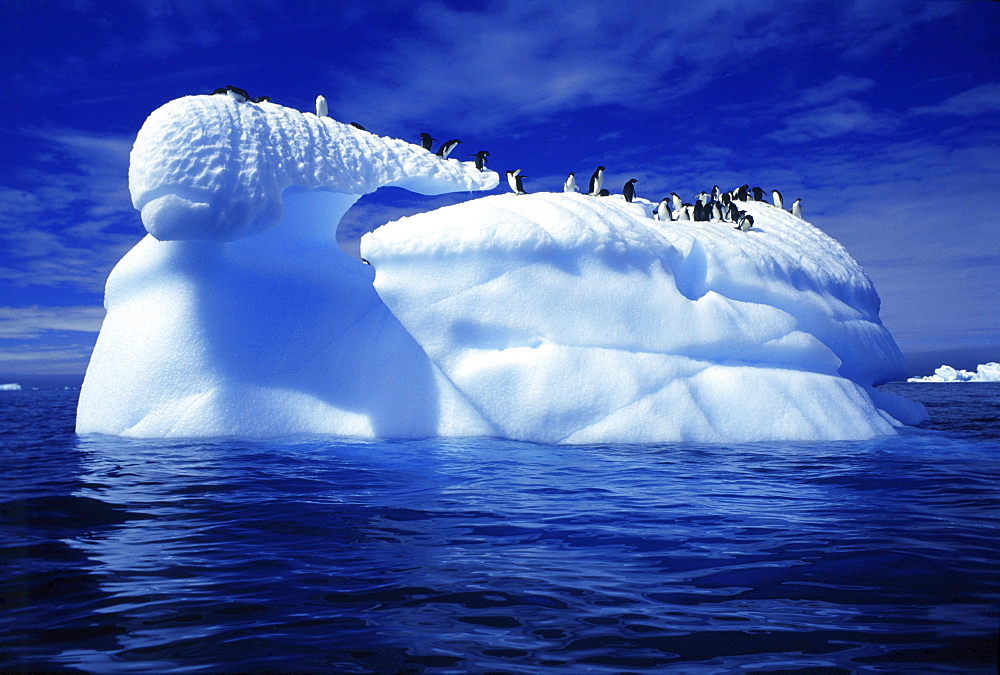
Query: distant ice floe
x: 985, y: 372
x: 13, y: 386
x: 546, y: 317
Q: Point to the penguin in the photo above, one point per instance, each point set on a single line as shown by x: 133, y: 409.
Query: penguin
x: 702, y: 197
x: 426, y: 141
x: 684, y: 212
x: 604, y: 193
x: 357, y: 126
x: 569, y: 185
x: 629, y: 190
x: 699, y: 212
x: 734, y: 213
x: 797, y: 208
x: 741, y: 193
x: 716, y: 214
x: 745, y: 222
x: 663, y: 210
x: 262, y: 99
x: 480, y: 159
x: 365, y: 261
x: 716, y: 193
x: 322, y: 109
x: 677, y: 202
x: 776, y: 198
x: 447, y: 147
x: 515, y: 182
x: 758, y: 194
x: 237, y: 94
x: 596, y: 181
x: 726, y: 198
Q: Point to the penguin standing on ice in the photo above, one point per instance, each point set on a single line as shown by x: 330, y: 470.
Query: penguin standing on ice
x: 734, y: 213
x: 776, y: 199
x: 322, y: 109
x: 447, y: 147
x: 481, y: 159
x: 741, y: 193
x: 797, y: 208
x: 426, y: 141
x: 235, y: 93
x: 596, y: 182
x: 745, y: 223
x: 758, y: 194
x: 662, y: 211
x: 569, y: 185
x: 678, y: 203
x: 629, y: 190
x: 684, y: 212
x: 515, y: 182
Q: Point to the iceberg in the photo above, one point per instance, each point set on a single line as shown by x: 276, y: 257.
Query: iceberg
x: 985, y: 372
x: 549, y: 317
x: 10, y: 386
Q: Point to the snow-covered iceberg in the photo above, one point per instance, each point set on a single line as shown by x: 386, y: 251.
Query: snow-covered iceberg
x: 545, y: 317
x: 10, y: 386
x: 985, y: 372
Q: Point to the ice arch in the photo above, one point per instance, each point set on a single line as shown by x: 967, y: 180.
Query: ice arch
x: 239, y: 313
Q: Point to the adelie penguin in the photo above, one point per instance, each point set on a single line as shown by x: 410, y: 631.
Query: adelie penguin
x: 514, y: 181
x: 678, y: 203
x: 322, y: 109
x: 662, y: 212
x: 481, y: 159
x: 569, y: 185
x: 447, y: 147
x: 777, y: 200
x: 426, y: 141
x: 237, y: 94
x: 596, y: 182
x: 758, y: 194
x: 797, y: 208
x: 629, y: 190
x: 745, y: 222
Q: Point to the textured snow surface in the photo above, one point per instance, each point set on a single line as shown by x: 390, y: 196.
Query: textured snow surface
x: 985, y: 372
x: 569, y: 318
x: 211, y: 168
x: 544, y: 317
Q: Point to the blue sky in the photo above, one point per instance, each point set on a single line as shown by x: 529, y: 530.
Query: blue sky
x: 882, y: 115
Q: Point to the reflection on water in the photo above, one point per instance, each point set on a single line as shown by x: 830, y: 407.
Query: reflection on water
x: 478, y: 554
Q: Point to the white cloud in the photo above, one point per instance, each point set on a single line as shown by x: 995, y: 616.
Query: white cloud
x: 70, y: 217
x: 842, y: 118
x: 981, y: 100
x: 26, y: 323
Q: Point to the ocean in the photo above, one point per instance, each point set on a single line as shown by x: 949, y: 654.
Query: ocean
x: 324, y: 554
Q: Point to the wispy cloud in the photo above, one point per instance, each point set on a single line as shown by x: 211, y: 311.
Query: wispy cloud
x: 69, y: 217
x: 838, y: 119
x: 981, y: 100
x: 26, y: 323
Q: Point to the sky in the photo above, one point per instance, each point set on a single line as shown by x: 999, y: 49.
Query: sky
x: 883, y: 116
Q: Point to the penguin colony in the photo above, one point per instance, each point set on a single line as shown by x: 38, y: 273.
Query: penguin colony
x: 715, y: 206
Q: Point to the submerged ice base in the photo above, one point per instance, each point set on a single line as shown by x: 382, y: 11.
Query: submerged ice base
x: 548, y: 317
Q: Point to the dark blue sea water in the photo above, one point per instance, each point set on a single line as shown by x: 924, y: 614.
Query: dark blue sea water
x: 324, y: 554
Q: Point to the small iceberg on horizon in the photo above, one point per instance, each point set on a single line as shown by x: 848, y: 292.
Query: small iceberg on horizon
x: 985, y: 372
x: 12, y: 386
